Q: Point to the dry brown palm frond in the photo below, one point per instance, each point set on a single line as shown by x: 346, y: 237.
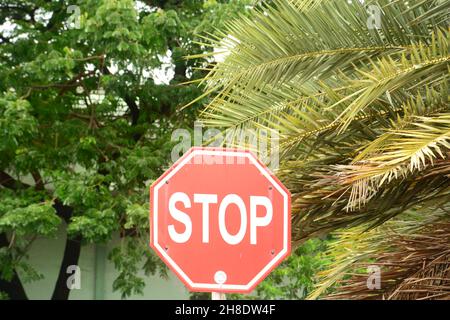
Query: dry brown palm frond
x: 430, y: 282
x: 322, y: 202
x: 412, y: 266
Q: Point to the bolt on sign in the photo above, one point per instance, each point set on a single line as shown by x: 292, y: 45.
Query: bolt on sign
x: 220, y: 220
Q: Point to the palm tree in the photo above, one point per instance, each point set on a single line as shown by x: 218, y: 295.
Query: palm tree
x: 358, y: 92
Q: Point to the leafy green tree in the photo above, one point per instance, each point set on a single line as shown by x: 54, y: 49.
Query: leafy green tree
x: 89, y: 93
x: 358, y: 91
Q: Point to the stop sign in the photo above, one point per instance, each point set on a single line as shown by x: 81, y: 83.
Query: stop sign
x: 220, y: 220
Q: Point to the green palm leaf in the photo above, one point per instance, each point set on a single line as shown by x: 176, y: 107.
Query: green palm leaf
x: 361, y: 114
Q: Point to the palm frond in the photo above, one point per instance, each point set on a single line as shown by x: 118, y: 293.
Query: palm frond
x: 411, y: 252
x: 424, y: 64
x: 403, y: 153
x: 361, y: 114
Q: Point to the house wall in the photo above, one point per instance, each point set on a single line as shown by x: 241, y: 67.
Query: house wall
x: 97, y: 274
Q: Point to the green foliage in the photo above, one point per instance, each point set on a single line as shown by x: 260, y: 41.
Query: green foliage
x: 85, y: 121
x: 137, y: 216
x: 295, y: 278
x: 17, y: 125
x: 27, y: 272
x: 361, y: 112
x: 94, y: 225
x: 22, y: 215
x: 37, y: 218
x: 128, y: 260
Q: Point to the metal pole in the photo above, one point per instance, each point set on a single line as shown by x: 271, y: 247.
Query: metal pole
x: 218, y: 296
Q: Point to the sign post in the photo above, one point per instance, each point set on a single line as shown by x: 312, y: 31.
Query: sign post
x: 218, y: 296
x: 220, y: 220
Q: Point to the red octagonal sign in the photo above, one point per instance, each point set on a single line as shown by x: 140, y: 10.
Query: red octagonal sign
x: 220, y: 220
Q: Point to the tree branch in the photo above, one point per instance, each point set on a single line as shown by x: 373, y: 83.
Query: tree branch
x: 134, y: 109
x: 13, y: 288
x: 71, y: 254
x: 132, y: 106
x: 72, y: 251
x: 39, y: 182
x: 9, y: 182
